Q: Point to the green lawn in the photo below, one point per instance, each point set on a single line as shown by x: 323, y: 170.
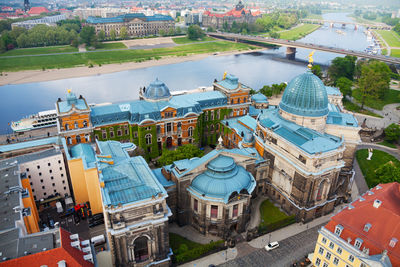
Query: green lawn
x: 186, y: 40
x: 187, y: 250
x: 107, y: 57
x: 299, y: 32
x: 106, y: 46
x: 395, y: 52
x: 391, y: 97
x: 270, y: 214
x: 388, y: 144
x: 391, y: 37
x: 355, y: 108
x: 40, y: 50
x: 368, y: 167
x: 314, y: 16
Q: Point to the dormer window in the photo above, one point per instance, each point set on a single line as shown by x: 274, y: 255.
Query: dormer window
x: 367, y: 226
x: 393, y: 242
x: 358, y: 242
x: 338, y: 230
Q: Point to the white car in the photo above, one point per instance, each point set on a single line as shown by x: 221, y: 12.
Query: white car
x: 271, y: 246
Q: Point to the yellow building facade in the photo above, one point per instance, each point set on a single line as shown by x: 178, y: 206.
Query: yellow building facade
x: 31, y: 219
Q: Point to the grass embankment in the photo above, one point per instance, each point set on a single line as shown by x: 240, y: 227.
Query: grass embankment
x: 388, y: 144
x: 355, y: 108
x: 272, y: 218
x: 109, y: 46
x: 298, y: 32
x: 391, y: 37
x: 186, y: 40
x: 108, y: 57
x: 369, y: 167
x: 186, y: 250
x: 391, y: 97
x: 39, y: 50
x: 395, y: 53
x: 314, y: 16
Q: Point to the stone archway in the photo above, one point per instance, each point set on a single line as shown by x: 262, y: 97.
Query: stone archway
x: 141, y: 249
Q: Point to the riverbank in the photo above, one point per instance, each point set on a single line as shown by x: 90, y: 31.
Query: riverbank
x: 299, y: 31
x: 32, y: 76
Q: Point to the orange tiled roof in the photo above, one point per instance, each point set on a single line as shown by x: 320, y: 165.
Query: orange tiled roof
x: 384, y: 220
x: 72, y: 256
x: 231, y: 13
x: 37, y: 10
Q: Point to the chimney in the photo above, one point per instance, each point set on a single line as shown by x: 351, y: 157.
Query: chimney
x: 377, y: 203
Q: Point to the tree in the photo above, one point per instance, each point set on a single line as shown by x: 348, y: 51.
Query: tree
x: 194, y: 32
x: 316, y: 69
x: 345, y: 86
x: 113, y: 34
x: 88, y: 36
x: 183, y: 152
x: 275, y: 35
x: 162, y: 32
x: 374, y: 81
x: 392, y: 132
x: 101, y: 36
x: 342, y: 67
x: 123, y: 34
x: 387, y: 173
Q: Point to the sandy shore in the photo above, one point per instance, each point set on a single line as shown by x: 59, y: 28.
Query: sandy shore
x: 31, y: 76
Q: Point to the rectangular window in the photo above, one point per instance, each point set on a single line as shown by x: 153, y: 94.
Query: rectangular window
x: 338, y: 229
x: 358, y: 243
x: 104, y: 135
x: 351, y: 258
x: 324, y: 240
x: 321, y: 251
x: 325, y: 264
x: 331, y: 245
x: 336, y: 261
x: 195, y: 205
x: 214, y: 211
x: 135, y: 135
x: 126, y: 130
x: 169, y: 127
x: 339, y: 251
x: 111, y: 134
x: 27, y: 169
x: 48, y: 164
x: 119, y: 132
x: 235, y: 210
x: 328, y: 255
x: 318, y: 261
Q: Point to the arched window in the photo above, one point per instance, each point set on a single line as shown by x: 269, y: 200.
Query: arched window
x: 320, y: 190
x: 84, y: 124
x: 66, y: 126
x: 78, y: 139
x: 69, y: 140
x: 190, y: 131
x: 87, y: 137
x: 148, y: 139
x: 76, y: 126
x: 141, y: 249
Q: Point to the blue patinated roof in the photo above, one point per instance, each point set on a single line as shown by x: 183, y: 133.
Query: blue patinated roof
x: 128, y: 17
x: 72, y: 101
x: 86, y: 153
x: 138, y: 111
x: 161, y: 178
x: 259, y: 98
x: 231, y: 82
x: 126, y: 180
x: 29, y: 144
x: 305, y: 95
x: 335, y: 116
x: 157, y: 90
x: 306, y: 139
x: 332, y: 90
x: 222, y: 177
x: 239, y: 124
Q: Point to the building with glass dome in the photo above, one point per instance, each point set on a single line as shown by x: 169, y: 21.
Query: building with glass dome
x: 309, y: 142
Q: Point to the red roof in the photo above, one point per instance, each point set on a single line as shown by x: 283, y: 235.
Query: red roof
x: 37, y: 10
x: 72, y: 256
x: 231, y: 13
x: 384, y: 220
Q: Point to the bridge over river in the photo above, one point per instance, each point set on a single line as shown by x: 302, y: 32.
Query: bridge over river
x: 379, y: 26
x: 292, y: 45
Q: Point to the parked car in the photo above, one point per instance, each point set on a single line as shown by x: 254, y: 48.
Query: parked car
x: 271, y: 246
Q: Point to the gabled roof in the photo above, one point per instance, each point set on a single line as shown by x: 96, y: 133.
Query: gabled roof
x: 72, y: 102
x: 231, y: 82
x: 384, y: 220
x: 37, y: 10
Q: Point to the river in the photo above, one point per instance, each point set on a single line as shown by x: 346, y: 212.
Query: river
x: 253, y: 69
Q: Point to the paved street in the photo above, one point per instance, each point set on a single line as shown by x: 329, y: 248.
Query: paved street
x: 290, y: 250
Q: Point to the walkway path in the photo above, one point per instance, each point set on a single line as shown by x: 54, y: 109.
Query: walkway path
x: 190, y: 233
x: 255, y: 212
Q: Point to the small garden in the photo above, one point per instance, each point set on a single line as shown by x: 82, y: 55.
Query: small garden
x: 272, y: 218
x: 382, y: 168
x: 186, y: 250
